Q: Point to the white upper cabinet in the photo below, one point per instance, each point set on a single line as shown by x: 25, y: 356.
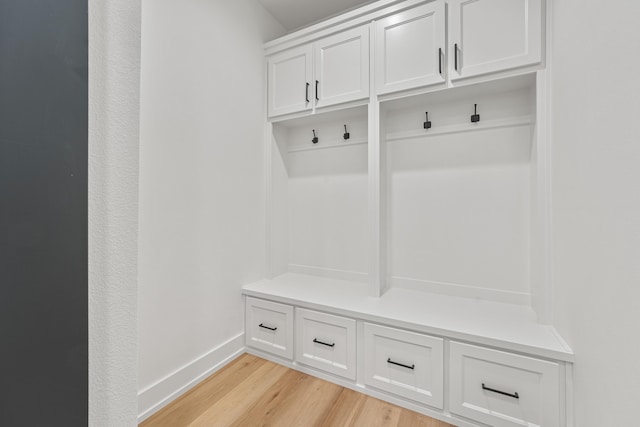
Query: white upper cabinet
x: 290, y: 75
x: 410, y: 48
x: 342, y: 67
x: 329, y: 71
x: 493, y: 35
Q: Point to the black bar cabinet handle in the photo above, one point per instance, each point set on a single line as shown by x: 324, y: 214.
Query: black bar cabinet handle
x: 455, y: 55
x: 400, y: 364
x: 440, y: 60
x: 504, y: 393
x: 266, y: 327
x: 317, y: 99
x: 306, y: 93
x: 315, y: 340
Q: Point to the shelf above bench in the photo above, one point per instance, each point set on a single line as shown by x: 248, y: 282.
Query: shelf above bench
x: 505, y: 326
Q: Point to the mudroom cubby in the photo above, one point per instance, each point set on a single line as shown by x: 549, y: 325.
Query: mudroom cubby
x: 319, y: 195
x: 458, y: 192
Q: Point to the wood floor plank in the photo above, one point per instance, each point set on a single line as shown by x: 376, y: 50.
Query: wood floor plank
x: 308, y: 405
x: 236, y: 402
x: 345, y: 409
x: 377, y: 413
x: 251, y: 391
x: 262, y: 412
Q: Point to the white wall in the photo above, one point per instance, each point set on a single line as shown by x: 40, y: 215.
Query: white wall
x: 201, y: 184
x: 596, y: 203
x: 114, y: 84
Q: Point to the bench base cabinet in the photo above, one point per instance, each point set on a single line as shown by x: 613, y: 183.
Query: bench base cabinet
x: 405, y: 363
x: 484, y: 386
x: 503, y: 389
x: 326, y: 342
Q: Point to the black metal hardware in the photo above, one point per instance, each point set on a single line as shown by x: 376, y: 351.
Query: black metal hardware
x: 440, y: 60
x: 455, y: 55
x: 317, y: 99
x: 475, y: 117
x: 267, y: 327
x: 400, y: 364
x: 346, y: 134
x: 315, y: 138
x: 427, y: 124
x: 306, y: 93
x: 315, y: 340
x: 504, y: 393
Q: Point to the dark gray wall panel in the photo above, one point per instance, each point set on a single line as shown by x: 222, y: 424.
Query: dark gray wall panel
x: 43, y: 213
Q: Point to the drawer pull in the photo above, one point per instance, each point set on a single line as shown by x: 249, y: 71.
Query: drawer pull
x: 400, y: 364
x: 504, y: 393
x: 267, y: 327
x: 455, y: 54
x: 315, y: 340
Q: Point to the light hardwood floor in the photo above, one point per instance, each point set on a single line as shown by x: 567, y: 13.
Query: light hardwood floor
x: 251, y: 391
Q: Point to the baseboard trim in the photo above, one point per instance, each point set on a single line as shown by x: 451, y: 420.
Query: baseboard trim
x: 158, y: 395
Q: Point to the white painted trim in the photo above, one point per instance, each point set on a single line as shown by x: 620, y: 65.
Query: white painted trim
x: 155, y: 397
x: 548, y: 172
x: 377, y: 262
x: 569, y: 396
x: 369, y: 391
x: 268, y: 200
x: 463, y: 127
x: 461, y: 290
x: 268, y: 178
x: 332, y: 144
x: 352, y: 276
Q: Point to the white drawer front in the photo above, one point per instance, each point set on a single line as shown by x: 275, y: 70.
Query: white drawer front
x: 503, y: 389
x: 326, y: 342
x: 269, y: 327
x: 405, y: 363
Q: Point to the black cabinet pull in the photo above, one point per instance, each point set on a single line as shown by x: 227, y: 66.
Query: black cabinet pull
x: 317, y: 99
x: 440, y: 60
x: 315, y: 340
x: 504, y: 393
x: 266, y: 327
x: 306, y: 93
x: 400, y: 364
x: 455, y: 56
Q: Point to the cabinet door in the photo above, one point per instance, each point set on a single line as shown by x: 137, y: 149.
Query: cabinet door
x: 410, y: 48
x: 290, y: 76
x: 493, y: 35
x: 405, y: 363
x: 326, y: 342
x: 342, y: 67
x: 503, y: 389
x: 269, y: 327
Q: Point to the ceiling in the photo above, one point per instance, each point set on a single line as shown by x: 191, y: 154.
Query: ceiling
x: 293, y: 14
